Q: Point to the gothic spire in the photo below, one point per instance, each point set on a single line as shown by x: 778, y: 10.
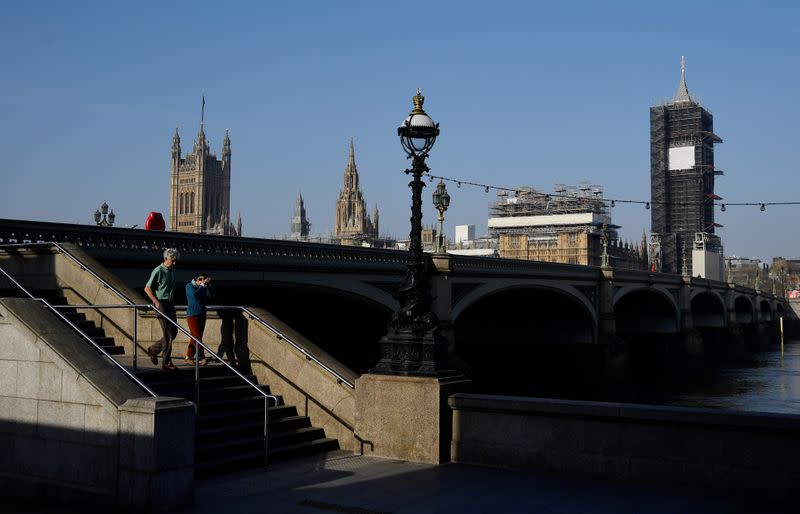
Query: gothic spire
x: 350, y: 171
x: 203, y: 113
x: 226, y: 145
x: 682, y: 95
x: 351, y: 162
x: 176, y: 144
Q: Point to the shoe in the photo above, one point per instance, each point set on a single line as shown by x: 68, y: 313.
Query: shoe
x: 169, y: 365
x: 206, y: 360
x: 153, y: 356
x: 188, y: 360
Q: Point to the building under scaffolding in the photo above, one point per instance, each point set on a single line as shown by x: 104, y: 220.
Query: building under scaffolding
x: 561, y: 227
x: 682, y: 175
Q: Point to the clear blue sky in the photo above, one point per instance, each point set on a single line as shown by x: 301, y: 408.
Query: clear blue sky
x: 527, y: 93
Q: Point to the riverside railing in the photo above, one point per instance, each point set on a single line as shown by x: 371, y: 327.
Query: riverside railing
x: 135, y: 308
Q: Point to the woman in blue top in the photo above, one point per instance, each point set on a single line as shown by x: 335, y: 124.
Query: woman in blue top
x: 197, y: 291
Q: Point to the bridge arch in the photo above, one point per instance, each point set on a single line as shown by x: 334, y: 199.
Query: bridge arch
x: 708, y: 310
x: 743, y: 309
x: 497, y: 286
x: 525, y: 339
x: 345, y: 322
x: 764, y: 311
x: 646, y: 310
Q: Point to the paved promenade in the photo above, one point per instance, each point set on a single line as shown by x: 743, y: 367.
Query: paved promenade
x: 350, y: 484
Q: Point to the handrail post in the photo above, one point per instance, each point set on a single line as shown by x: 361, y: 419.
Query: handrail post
x: 266, y: 435
x: 135, y: 342
x: 196, y: 380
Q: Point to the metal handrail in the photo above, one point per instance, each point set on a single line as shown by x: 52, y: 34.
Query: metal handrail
x: 309, y: 356
x: 135, y: 307
x: 76, y: 260
x: 211, y: 352
x: 281, y: 336
x: 81, y: 332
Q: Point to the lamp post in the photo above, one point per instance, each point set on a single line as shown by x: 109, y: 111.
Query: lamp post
x: 413, y: 345
x: 441, y: 200
x: 604, y: 260
x: 104, y: 218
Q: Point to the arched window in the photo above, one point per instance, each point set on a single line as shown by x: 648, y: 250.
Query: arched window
x: 180, y: 203
x: 191, y: 203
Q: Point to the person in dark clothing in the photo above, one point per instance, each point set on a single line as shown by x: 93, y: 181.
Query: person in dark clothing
x: 226, y: 341
x: 233, y: 339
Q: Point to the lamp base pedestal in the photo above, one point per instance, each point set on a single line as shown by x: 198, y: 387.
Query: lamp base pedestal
x: 406, y: 417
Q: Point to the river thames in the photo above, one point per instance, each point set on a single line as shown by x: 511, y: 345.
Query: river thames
x: 768, y: 382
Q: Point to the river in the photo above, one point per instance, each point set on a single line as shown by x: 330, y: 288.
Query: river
x: 769, y: 382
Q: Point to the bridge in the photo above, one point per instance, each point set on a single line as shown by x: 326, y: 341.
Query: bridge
x: 311, y: 316
x: 341, y: 297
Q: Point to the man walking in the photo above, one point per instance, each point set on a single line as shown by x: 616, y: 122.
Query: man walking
x: 160, y: 288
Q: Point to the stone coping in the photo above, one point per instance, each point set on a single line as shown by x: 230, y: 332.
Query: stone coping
x: 625, y: 412
x: 106, y: 377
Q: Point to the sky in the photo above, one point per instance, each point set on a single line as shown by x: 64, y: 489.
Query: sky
x: 526, y: 94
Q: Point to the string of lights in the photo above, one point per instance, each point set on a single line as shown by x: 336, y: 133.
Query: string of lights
x: 611, y: 202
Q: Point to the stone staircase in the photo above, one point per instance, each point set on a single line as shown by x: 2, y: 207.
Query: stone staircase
x: 229, y: 424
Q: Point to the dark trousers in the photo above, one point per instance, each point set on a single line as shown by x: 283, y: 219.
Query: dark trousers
x: 233, y: 340
x: 169, y: 330
x: 197, y: 325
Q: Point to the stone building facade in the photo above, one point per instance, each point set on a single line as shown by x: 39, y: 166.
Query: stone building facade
x: 353, y: 224
x: 200, y: 189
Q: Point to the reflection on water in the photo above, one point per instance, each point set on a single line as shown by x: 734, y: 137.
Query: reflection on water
x: 770, y: 383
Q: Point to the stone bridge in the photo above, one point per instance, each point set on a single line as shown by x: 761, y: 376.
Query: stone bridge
x: 522, y: 316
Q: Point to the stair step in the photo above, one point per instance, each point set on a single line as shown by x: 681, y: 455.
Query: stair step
x: 213, y: 466
x: 73, y: 315
x: 114, y: 350
x: 213, y: 394
x: 253, y: 428
x: 289, y: 423
x: 289, y: 437
x: 276, y: 412
x: 185, y: 376
x: 325, y: 444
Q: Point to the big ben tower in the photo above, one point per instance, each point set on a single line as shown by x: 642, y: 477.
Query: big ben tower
x: 682, y: 176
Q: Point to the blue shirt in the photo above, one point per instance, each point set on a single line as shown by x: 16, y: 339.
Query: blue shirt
x: 196, y: 295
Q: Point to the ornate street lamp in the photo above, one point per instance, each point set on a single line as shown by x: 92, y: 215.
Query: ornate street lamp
x: 413, y: 344
x: 104, y: 218
x: 441, y: 200
x: 604, y: 239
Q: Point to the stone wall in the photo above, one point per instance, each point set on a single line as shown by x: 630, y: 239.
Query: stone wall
x: 753, y: 454
x: 301, y: 381
x: 73, y: 426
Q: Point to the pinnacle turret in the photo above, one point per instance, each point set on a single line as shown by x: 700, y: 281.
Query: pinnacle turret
x: 682, y: 95
x: 176, y: 145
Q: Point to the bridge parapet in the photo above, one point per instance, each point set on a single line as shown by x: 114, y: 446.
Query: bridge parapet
x: 105, y: 241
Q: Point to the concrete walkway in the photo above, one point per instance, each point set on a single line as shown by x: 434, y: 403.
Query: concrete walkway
x: 351, y: 484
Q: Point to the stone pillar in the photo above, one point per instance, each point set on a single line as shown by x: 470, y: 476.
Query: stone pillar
x: 156, y: 454
x: 692, y: 340
x: 616, y: 349
x: 408, y: 418
x: 607, y: 328
x: 441, y: 290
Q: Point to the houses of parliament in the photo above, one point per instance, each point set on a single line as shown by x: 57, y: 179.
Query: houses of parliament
x: 200, y: 187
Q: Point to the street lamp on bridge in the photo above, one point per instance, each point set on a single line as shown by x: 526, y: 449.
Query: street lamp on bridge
x: 104, y: 218
x: 413, y: 345
x: 441, y: 200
